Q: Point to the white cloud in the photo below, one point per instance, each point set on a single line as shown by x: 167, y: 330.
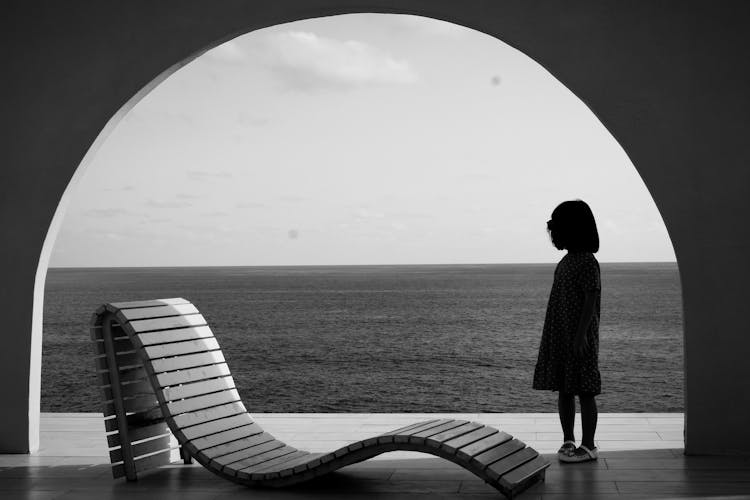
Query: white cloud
x: 167, y: 204
x: 107, y: 213
x: 306, y: 60
x: 367, y: 214
x: 228, y: 52
x: 203, y: 175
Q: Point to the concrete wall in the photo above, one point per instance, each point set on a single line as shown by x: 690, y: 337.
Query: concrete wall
x: 668, y: 78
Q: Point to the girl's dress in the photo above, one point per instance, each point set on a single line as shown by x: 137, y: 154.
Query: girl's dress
x: 558, y: 368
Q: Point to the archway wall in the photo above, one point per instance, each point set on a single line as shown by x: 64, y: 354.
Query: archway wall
x: 669, y: 79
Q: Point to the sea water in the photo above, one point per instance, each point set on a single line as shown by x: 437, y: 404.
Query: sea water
x: 413, y: 338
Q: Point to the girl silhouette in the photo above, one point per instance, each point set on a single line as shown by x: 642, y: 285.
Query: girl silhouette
x: 569, y: 350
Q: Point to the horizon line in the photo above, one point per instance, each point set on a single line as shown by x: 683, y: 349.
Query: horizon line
x: 351, y: 265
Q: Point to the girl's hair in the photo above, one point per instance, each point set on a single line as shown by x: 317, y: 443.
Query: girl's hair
x: 573, y: 228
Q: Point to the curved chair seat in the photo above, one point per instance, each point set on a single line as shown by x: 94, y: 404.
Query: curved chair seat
x: 161, y: 366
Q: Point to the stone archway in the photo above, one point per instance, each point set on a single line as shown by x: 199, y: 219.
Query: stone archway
x: 645, y: 70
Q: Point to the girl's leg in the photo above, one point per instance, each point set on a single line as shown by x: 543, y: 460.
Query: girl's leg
x: 588, y: 419
x: 566, y: 407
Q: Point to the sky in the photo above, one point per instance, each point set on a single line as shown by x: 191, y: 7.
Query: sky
x: 354, y: 139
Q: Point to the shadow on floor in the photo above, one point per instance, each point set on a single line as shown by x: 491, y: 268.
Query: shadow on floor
x: 636, y: 474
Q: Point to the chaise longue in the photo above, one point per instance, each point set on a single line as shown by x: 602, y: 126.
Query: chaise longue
x: 161, y: 369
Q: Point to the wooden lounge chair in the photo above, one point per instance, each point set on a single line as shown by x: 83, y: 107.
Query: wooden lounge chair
x: 162, y: 370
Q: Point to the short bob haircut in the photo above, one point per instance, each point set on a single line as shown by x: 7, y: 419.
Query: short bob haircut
x: 573, y: 228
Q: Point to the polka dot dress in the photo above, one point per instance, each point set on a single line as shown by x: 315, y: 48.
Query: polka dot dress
x: 558, y: 368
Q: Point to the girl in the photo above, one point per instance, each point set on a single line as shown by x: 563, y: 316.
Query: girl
x: 569, y: 351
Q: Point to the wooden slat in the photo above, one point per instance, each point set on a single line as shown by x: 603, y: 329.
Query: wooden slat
x: 409, y: 427
x: 137, y: 433
x: 136, y: 420
x: 294, y: 465
x: 147, y: 303
x: 129, y: 375
x: 219, y: 462
x: 403, y: 437
x: 202, y: 416
x: 452, y: 445
x: 191, y: 390
x: 419, y: 437
x: 501, y: 467
x: 141, y: 404
x: 140, y: 412
x: 260, y: 458
x: 497, y: 453
x: 145, y: 463
x: 142, y: 448
x: 247, y: 472
x: 240, y: 444
x: 167, y: 336
x: 156, y: 312
x: 135, y: 405
x: 139, y: 388
x: 227, y: 436
x: 180, y: 348
x: 200, y: 402
x: 95, y: 330
x: 483, y: 445
x: 437, y: 439
x: 280, y: 463
x: 187, y: 361
x: 523, y: 472
x: 120, y: 345
x: 119, y: 410
x: 123, y: 361
x: 215, y: 426
x: 145, y: 325
x: 387, y: 437
x: 192, y: 375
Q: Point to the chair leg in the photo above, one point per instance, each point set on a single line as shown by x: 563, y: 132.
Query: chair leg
x: 185, y: 456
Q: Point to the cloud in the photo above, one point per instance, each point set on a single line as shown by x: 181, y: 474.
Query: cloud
x: 107, y: 213
x: 187, y: 196
x: 121, y: 188
x: 167, y: 204
x: 250, y: 204
x: 413, y: 215
x: 363, y: 213
x: 205, y: 174
x: 476, y: 177
x: 113, y: 236
x: 228, y: 52
x: 305, y: 60
x: 245, y: 119
x: 290, y: 198
x: 157, y: 220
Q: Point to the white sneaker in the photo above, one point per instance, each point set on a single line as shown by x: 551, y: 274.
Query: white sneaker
x: 567, y: 448
x: 581, y: 454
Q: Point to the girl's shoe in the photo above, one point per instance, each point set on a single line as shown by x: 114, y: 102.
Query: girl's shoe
x: 581, y: 454
x: 567, y: 448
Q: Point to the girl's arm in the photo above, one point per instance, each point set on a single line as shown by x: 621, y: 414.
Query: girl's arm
x: 587, y: 314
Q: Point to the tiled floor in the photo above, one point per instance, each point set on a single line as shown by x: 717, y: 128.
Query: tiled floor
x: 641, y: 457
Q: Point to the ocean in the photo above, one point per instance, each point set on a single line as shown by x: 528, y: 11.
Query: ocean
x: 411, y: 338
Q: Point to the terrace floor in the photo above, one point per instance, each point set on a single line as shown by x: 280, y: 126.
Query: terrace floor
x: 641, y: 456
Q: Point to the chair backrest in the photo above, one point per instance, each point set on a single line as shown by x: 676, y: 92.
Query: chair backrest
x: 137, y: 433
